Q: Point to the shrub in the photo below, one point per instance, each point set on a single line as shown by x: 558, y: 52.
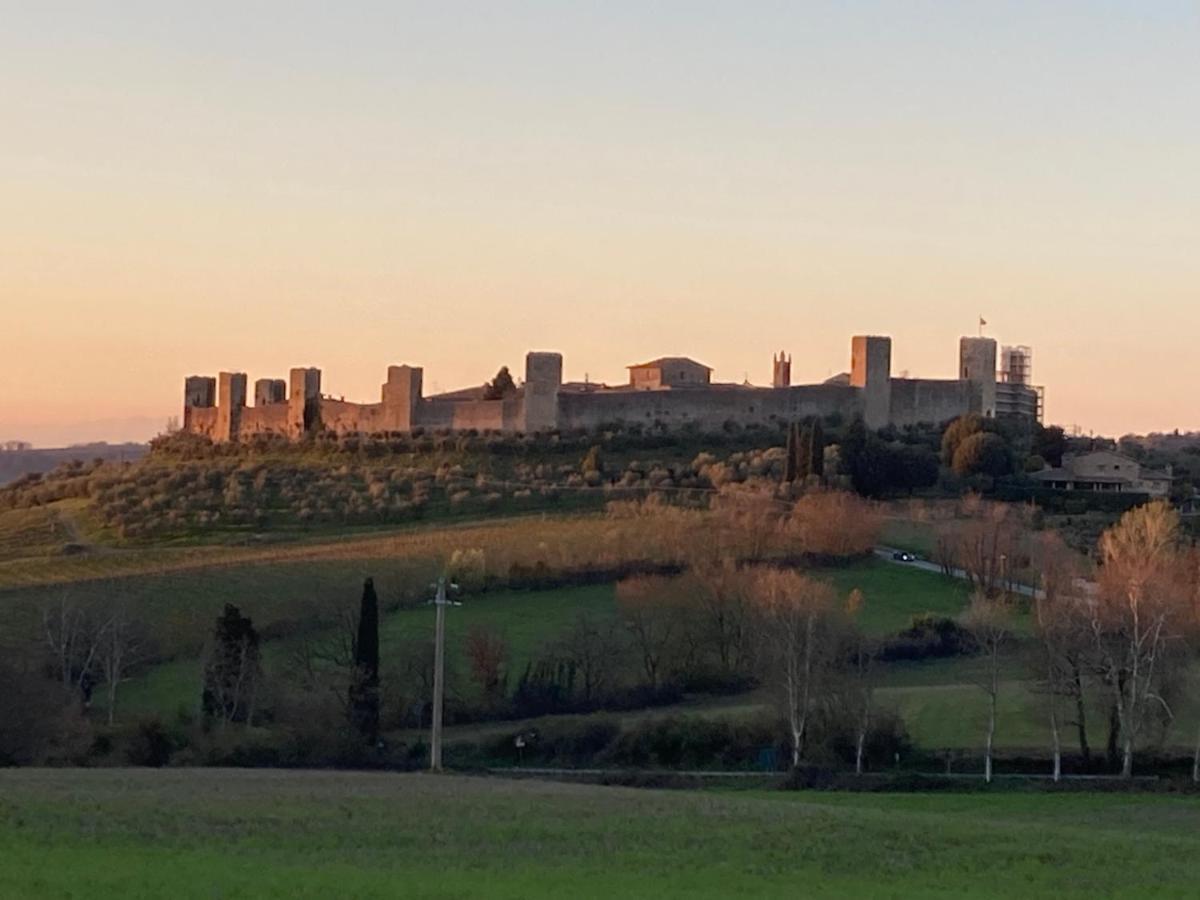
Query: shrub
x: 151, y: 744
x: 929, y: 637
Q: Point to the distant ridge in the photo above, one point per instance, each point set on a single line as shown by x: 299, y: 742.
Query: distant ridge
x: 15, y: 463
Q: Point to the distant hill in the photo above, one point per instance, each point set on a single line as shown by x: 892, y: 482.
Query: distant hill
x: 15, y: 463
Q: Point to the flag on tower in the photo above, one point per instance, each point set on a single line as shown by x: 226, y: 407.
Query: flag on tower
x: 982, y: 321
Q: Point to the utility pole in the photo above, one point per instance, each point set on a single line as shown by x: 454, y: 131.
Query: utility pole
x: 440, y: 601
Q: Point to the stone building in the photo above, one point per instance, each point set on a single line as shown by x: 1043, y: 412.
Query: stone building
x: 669, y: 372
x: 671, y: 391
x: 1106, y: 471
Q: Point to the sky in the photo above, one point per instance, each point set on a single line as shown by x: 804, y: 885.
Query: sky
x: 187, y: 188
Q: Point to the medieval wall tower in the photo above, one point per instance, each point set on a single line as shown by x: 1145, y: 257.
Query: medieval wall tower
x: 231, y: 400
x: 977, y: 366
x: 199, y: 392
x: 543, y: 380
x: 871, y: 370
x: 268, y: 391
x: 401, y: 396
x: 304, y: 401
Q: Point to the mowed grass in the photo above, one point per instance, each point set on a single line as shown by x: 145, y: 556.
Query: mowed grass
x: 894, y: 594
x: 232, y: 834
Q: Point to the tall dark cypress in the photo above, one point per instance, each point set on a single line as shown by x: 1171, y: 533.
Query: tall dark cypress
x: 789, y: 459
x: 803, y: 453
x: 816, y: 449
x: 364, y: 687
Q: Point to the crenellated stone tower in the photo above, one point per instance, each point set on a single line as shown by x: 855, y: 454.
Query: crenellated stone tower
x: 401, y: 396
x: 871, y: 370
x: 269, y: 391
x: 543, y: 380
x: 977, y: 365
x: 231, y: 401
x: 199, y: 392
x: 304, y: 401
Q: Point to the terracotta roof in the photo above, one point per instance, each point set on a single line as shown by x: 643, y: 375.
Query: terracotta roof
x: 666, y: 360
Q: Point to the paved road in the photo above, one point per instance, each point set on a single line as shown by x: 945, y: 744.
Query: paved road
x: 562, y: 772
x: 888, y: 554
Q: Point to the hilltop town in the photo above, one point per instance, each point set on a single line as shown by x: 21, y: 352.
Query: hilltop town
x: 672, y: 391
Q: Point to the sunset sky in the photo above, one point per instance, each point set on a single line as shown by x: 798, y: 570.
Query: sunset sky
x: 193, y: 187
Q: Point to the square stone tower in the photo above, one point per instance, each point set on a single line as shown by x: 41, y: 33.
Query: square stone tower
x: 871, y: 370
x: 543, y: 380
x: 268, y: 391
x: 231, y: 400
x: 304, y: 401
x: 977, y: 365
x: 199, y: 392
x: 401, y: 396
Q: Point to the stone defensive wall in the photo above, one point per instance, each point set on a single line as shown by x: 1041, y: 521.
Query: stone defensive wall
x: 918, y: 400
x: 217, y: 407
x: 708, y: 408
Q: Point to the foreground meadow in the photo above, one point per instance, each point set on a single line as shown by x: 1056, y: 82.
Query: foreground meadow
x: 243, y: 833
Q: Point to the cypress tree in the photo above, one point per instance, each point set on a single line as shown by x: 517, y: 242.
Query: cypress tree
x: 816, y: 449
x: 364, y: 687
x: 803, y: 453
x: 789, y: 459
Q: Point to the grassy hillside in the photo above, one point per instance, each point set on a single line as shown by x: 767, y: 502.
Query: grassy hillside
x: 187, y: 491
x: 209, y: 833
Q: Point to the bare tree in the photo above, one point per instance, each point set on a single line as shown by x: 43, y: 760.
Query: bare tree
x: 122, y: 644
x: 650, y: 607
x: 1134, y: 616
x: 72, y: 638
x: 1190, y: 572
x: 798, y: 626
x: 990, y: 619
x: 724, y: 610
x: 945, y: 547
x: 594, y: 648
x: 989, y: 545
x: 322, y: 658
x: 1062, y: 633
x: 487, y: 655
x: 748, y: 520
x: 833, y: 523
x: 860, y: 678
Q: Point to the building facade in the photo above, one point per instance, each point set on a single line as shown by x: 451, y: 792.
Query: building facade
x: 1106, y: 471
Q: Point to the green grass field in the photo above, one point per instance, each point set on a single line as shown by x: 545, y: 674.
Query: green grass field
x: 528, y: 620
x: 232, y: 834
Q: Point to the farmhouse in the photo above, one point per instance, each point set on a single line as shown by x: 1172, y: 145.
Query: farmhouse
x: 1106, y: 471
